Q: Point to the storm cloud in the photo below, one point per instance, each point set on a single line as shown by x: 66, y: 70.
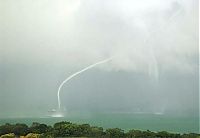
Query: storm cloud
x: 154, y: 45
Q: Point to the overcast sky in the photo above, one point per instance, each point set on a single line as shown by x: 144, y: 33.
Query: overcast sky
x: 154, y: 46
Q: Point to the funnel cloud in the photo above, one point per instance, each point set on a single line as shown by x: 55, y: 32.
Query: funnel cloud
x: 75, y: 74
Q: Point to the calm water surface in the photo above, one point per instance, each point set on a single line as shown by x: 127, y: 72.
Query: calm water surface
x: 124, y: 121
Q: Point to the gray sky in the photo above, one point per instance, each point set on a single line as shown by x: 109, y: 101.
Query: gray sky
x: 154, y: 45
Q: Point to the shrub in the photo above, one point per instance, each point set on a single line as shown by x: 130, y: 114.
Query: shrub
x: 10, y: 135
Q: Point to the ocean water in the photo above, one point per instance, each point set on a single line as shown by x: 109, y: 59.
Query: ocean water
x: 151, y: 122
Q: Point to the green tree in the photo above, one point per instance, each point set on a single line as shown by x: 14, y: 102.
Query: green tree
x: 5, y: 129
x: 39, y: 128
x: 115, y: 133
x: 84, y: 129
x: 140, y: 134
x: 191, y: 135
x: 96, y: 131
x: 61, y: 129
x: 20, y: 129
x: 164, y: 134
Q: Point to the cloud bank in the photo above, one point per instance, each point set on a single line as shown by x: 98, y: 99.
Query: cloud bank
x: 140, y: 34
x: 43, y: 42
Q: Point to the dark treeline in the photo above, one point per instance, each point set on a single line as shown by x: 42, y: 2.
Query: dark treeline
x: 68, y: 129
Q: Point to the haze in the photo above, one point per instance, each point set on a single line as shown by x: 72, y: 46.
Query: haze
x: 154, y: 45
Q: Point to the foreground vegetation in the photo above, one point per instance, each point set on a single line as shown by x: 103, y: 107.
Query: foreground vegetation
x: 68, y: 129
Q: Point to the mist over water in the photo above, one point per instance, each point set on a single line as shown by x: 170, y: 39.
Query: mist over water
x: 154, y: 69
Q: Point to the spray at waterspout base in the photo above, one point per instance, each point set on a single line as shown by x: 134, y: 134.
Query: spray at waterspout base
x: 56, y: 113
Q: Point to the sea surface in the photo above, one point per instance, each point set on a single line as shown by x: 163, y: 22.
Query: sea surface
x: 152, y: 122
